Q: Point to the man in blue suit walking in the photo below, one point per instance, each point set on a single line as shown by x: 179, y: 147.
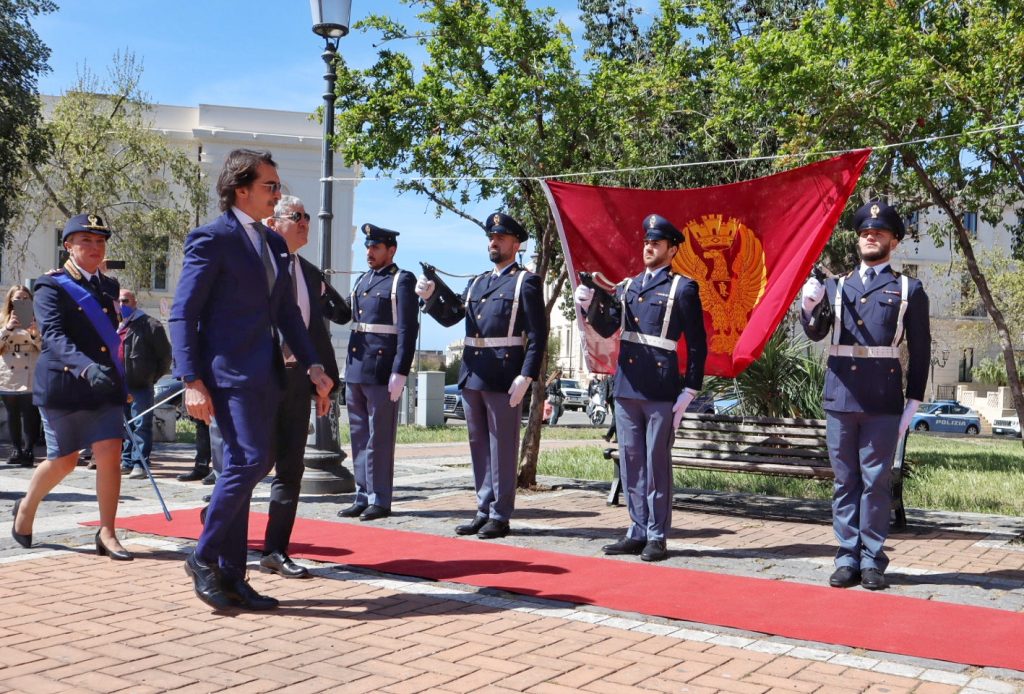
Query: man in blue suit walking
x: 234, y: 297
x: 869, y: 313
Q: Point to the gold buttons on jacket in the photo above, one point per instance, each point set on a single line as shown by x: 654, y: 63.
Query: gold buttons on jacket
x: 853, y: 367
x: 66, y: 368
x: 641, y: 299
x: 103, y: 349
x: 863, y: 299
x: 860, y: 322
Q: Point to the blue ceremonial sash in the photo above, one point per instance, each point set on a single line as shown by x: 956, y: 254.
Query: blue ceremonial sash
x: 94, y: 312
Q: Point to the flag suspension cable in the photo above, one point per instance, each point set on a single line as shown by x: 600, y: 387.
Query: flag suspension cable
x: 835, y: 152
x: 136, y: 444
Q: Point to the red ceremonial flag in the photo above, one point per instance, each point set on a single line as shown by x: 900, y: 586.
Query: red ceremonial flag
x: 749, y: 245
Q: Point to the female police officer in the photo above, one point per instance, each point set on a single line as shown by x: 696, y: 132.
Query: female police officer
x: 79, y: 381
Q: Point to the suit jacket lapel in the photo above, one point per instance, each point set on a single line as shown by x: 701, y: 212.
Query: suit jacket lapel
x: 245, y: 249
x: 503, y: 281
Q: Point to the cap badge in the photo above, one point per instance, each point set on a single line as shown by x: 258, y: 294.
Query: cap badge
x: 366, y: 228
x: 874, y: 211
x: 652, y: 221
x: 94, y: 220
x: 496, y: 219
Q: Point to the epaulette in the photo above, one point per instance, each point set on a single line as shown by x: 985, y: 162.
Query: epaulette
x: 73, y: 271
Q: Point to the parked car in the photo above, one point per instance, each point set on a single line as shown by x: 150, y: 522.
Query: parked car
x: 453, y: 402
x: 575, y: 398
x: 1007, y: 427
x: 946, y: 415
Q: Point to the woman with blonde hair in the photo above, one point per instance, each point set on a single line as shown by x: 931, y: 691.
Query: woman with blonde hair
x: 19, y: 350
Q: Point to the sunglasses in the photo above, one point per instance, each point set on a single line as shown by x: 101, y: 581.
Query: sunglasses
x: 294, y: 216
x: 272, y: 187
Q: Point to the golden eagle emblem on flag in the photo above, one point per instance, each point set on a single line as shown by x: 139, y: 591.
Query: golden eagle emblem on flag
x: 726, y: 259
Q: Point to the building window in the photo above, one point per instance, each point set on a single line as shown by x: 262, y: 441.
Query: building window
x: 970, y: 220
x: 158, y: 269
x: 911, y: 222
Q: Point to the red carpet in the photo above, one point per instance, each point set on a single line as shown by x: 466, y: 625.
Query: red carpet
x: 873, y: 621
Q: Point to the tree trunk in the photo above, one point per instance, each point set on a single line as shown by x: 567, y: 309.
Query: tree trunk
x: 964, y: 239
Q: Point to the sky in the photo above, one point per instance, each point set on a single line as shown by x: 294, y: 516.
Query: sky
x: 260, y: 54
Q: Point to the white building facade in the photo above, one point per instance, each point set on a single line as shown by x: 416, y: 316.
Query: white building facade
x: 210, y: 132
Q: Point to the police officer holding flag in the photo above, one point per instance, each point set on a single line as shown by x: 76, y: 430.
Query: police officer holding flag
x: 653, y: 311
x: 506, y: 334
x: 869, y: 312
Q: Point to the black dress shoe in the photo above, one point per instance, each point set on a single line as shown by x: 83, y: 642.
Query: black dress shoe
x: 654, y: 550
x: 245, y: 596
x: 373, y: 512
x: 473, y: 527
x: 352, y: 511
x: 23, y: 540
x: 493, y: 529
x: 281, y: 563
x: 116, y: 555
x: 873, y: 579
x: 206, y: 582
x: 28, y: 458
x: 202, y: 515
x: 197, y: 473
x: 210, y: 478
x: 15, y: 458
x: 625, y: 546
x: 844, y: 577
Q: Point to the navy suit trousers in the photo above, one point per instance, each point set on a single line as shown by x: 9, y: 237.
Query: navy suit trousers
x: 861, y: 447
x: 245, y: 418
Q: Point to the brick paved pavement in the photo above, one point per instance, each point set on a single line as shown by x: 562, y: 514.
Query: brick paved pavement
x: 71, y: 621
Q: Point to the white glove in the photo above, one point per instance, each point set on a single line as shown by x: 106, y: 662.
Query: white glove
x: 813, y: 292
x: 395, y: 385
x: 583, y: 296
x: 518, y: 390
x: 682, y: 402
x: 424, y: 288
x: 908, y: 414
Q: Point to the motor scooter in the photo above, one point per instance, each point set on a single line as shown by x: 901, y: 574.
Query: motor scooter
x: 597, y: 409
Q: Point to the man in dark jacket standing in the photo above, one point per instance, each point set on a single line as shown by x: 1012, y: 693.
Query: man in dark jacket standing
x: 147, y: 357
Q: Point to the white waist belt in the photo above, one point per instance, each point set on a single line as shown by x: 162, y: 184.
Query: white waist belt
x: 648, y: 340
x: 859, y: 351
x: 379, y: 328
x: 495, y: 341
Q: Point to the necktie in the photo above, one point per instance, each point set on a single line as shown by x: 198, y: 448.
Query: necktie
x: 643, y: 282
x: 268, y: 262
x: 95, y: 282
x: 869, y: 276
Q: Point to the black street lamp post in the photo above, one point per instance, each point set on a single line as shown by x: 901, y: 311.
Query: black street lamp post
x: 325, y: 473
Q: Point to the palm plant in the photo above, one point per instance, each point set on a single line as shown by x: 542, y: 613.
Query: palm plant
x: 785, y: 381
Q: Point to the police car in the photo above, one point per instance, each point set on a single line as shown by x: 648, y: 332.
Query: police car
x: 946, y: 415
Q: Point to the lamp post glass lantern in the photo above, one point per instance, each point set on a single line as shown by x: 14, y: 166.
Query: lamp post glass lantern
x: 330, y: 17
x: 325, y: 474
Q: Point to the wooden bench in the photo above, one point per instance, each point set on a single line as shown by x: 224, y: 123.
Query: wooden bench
x: 769, y: 446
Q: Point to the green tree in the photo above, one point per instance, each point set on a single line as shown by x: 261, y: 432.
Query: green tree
x: 106, y: 158
x: 23, y: 59
x: 847, y: 74
x: 451, y: 371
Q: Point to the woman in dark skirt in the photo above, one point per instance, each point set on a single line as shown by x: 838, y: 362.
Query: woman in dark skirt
x: 79, y: 383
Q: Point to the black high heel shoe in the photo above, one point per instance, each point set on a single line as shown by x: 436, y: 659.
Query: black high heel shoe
x: 23, y: 540
x: 103, y: 550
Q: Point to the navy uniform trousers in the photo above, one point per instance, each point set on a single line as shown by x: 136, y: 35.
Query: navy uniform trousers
x: 861, y: 447
x: 373, y: 425
x: 644, y: 429
x: 493, y: 427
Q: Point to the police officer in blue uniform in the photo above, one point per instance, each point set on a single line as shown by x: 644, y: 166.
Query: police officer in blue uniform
x: 506, y: 333
x: 79, y: 379
x: 869, y: 313
x: 653, y: 311
x: 380, y: 354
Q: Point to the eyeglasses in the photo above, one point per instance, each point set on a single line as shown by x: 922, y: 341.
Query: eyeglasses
x: 123, y: 300
x: 272, y: 187
x: 294, y: 216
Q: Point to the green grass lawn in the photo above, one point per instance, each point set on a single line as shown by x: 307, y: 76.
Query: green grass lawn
x: 979, y: 475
